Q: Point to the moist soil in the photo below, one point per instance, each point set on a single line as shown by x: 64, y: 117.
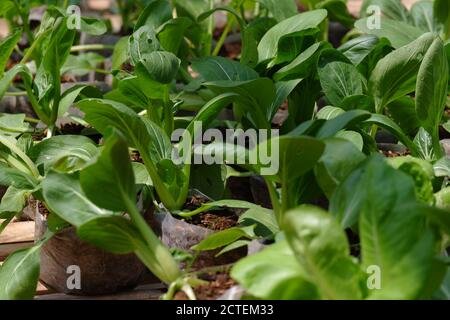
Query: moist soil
x: 216, y: 220
x: 218, y: 284
x: 394, y: 154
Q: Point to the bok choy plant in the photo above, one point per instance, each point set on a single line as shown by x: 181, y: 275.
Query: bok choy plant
x: 399, y: 257
x: 49, y: 51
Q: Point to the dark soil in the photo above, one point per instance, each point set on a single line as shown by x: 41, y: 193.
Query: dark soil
x: 218, y: 284
x: 136, y: 157
x: 39, y: 136
x: 394, y: 154
x: 72, y: 129
x: 216, y: 220
x: 355, y: 246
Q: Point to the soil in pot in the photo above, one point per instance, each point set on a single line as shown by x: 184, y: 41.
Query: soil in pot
x: 184, y: 234
x: 218, y: 284
x: 100, y: 272
x: 391, y: 150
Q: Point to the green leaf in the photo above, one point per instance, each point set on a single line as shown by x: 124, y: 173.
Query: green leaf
x: 113, y: 173
x: 140, y: 133
x: 171, y: 33
x: 92, y: 26
x: 297, y: 155
x: 19, y: 274
x: 263, y: 276
x: 265, y: 220
x: 356, y: 50
x: 339, y: 160
x: 16, y: 178
x: 399, y: 33
x: 432, y: 84
x: 155, y: 14
x: 268, y: 47
x: 117, y: 186
x: 280, y: 9
x: 351, y: 195
x: 13, y: 125
x: 13, y: 202
x: 142, y: 41
x: 388, y: 124
x: 443, y: 199
x: 422, y: 173
x: 393, y: 232
x: 303, y: 65
x: 403, y: 112
x: 422, y: 15
x: 256, y: 97
x: 120, y: 54
x: 211, y: 110
x: 329, y: 112
x: 440, y: 10
x: 321, y: 247
x: 63, y: 153
x: 161, y: 66
x: 347, y: 119
x: 340, y: 80
x: 337, y: 11
x: 233, y: 246
x: 442, y: 167
x: 284, y: 90
x: 392, y: 9
x: 9, y: 76
x: 395, y: 75
x: 82, y: 64
x: 141, y: 174
x: 64, y: 197
x: 424, y: 144
x: 6, y: 49
x: 113, y: 234
x: 224, y: 238
x: 6, y: 7
x: 219, y: 68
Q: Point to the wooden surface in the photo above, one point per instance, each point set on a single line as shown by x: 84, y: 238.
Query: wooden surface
x: 16, y: 236
x: 146, y: 292
x: 20, y: 235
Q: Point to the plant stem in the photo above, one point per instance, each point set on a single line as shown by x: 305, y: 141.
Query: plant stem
x: 155, y: 255
x: 30, y: 165
x: 16, y: 94
x: 101, y: 71
x: 91, y: 47
x: 32, y: 120
x: 25, y: 22
x: 437, y: 144
x: 222, y: 39
x: 274, y: 199
x: 29, y: 52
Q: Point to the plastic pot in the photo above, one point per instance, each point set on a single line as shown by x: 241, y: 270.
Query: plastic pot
x: 181, y: 234
x: 100, y: 272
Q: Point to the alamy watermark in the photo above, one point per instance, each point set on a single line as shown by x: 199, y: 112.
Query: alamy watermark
x: 230, y: 146
x: 73, y: 281
x: 74, y: 17
x: 374, y: 17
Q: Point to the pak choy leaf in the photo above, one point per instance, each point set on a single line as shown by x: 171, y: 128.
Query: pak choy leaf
x: 113, y: 173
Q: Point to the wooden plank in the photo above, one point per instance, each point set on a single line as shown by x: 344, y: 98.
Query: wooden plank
x: 146, y: 292
x: 18, y: 232
x: 17, y: 235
